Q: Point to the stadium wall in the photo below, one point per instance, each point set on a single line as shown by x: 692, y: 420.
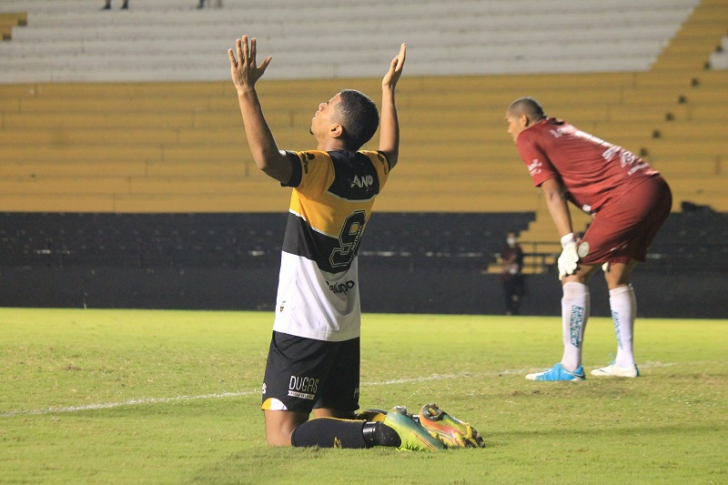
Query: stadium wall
x: 410, y: 263
x: 385, y: 288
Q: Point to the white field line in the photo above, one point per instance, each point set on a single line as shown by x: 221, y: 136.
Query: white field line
x: 163, y: 400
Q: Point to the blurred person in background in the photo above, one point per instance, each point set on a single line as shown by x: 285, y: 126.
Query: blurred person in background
x: 511, y: 276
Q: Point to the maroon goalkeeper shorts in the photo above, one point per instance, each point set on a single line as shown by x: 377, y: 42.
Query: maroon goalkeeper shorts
x: 626, y: 225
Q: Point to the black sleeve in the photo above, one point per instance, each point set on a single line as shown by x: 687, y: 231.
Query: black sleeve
x: 296, y: 173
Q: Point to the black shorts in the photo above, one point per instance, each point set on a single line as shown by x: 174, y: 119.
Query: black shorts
x: 303, y: 374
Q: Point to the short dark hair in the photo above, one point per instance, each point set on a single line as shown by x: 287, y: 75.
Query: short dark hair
x: 359, y: 116
x: 527, y: 106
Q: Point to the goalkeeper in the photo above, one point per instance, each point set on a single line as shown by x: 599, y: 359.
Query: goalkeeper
x: 628, y: 200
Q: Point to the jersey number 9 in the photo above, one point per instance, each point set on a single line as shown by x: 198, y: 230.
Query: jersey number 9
x: 349, y: 237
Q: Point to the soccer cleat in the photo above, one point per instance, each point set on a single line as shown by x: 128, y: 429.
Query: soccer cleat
x: 614, y: 370
x: 413, y: 436
x: 451, y: 431
x: 558, y: 373
x: 371, y: 415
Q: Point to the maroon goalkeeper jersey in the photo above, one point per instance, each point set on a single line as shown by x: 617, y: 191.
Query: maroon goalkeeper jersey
x: 592, y: 170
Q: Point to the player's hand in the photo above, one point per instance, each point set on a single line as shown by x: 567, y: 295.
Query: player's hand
x: 245, y: 70
x: 569, y: 259
x: 395, y: 69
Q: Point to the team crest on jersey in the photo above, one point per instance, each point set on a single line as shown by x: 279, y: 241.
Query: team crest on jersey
x: 583, y: 249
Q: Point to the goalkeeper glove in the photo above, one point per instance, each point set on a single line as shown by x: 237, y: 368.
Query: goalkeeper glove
x: 569, y: 258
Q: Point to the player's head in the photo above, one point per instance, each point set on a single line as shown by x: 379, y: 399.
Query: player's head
x: 360, y: 118
x: 521, y: 114
x: 350, y: 117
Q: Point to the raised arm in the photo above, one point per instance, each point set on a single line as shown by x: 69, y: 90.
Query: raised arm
x: 388, y: 124
x: 245, y: 73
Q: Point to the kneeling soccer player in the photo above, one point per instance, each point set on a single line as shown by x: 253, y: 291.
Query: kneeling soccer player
x: 313, y: 360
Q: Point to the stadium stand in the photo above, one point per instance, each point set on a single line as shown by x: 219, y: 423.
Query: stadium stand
x: 691, y: 241
x: 234, y: 239
x: 719, y: 58
x: 229, y: 261
x: 10, y: 20
x: 149, y: 125
x: 460, y: 37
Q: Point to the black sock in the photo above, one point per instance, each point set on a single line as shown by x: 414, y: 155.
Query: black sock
x: 330, y: 433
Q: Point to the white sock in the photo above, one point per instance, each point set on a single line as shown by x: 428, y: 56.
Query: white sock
x: 574, y: 314
x: 624, y: 308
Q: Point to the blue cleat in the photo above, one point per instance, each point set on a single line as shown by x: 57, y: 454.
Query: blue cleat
x: 558, y: 373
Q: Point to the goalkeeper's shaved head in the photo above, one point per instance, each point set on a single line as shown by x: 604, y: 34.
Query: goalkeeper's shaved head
x: 526, y: 106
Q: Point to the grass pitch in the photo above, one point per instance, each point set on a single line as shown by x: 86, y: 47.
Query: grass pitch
x: 97, y: 396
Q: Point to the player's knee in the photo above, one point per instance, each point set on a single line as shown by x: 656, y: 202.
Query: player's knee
x: 278, y: 438
x: 574, y: 289
x: 279, y: 426
x: 618, y: 275
x: 279, y: 433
